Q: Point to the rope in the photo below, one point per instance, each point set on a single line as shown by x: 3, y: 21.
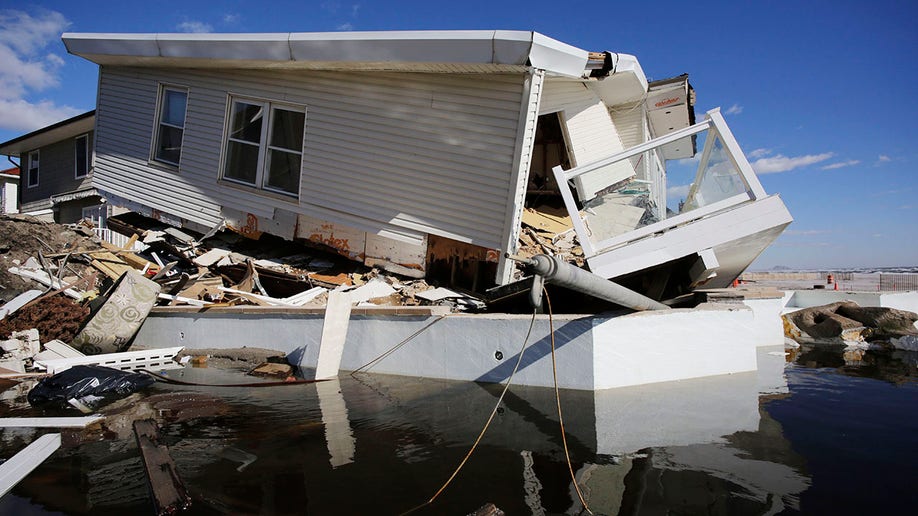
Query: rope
x: 554, y: 372
x: 166, y: 379
x: 487, y: 423
x: 391, y: 350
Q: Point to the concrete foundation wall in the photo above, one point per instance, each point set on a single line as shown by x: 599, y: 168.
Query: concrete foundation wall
x: 592, y: 352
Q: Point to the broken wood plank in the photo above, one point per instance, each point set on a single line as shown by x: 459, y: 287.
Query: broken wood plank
x: 111, y: 265
x: 29, y: 458
x: 132, y: 259
x: 167, y: 490
x: 49, y: 422
x: 43, y: 278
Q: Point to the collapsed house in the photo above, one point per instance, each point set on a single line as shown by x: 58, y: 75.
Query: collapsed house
x: 420, y: 152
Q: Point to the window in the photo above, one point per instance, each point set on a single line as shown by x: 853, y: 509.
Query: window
x: 32, y: 180
x: 170, y: 127
x: 264, y: 145
x: 81, y: 156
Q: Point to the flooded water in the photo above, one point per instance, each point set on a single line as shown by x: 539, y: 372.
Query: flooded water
x: 816, y: 436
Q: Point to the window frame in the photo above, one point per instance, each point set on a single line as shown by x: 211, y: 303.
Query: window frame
x: 158, y: 123
x: 29, y: 168
x: 76, y: 158
x: 264, y: 144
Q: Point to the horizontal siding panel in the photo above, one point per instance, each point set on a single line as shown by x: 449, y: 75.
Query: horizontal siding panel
x: 425, y: 152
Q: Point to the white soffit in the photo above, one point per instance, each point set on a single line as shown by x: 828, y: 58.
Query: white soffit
x: 490, y: 50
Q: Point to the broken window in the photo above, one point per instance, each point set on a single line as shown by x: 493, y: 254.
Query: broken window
x: 264, y: 145
x: 170, y: 125
x: 33, y: 169
x: 81, y: 156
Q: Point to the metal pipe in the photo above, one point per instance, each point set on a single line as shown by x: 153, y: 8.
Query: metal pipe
x: 559, y: 272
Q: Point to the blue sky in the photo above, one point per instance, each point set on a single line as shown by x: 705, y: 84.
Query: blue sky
x: 821, y: 95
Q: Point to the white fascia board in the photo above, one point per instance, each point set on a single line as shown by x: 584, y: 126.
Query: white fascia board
x: 520, y: 48
x: 556, y: 57
x: 268, y: 47
x: 85, y: 44
x: 626, y: 83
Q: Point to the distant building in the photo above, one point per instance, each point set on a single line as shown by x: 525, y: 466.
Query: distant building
x: 55, y: 172
x: 9, y: 192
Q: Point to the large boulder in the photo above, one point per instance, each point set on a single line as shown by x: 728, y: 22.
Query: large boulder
x: 884, y: 323
x: 846, y: 321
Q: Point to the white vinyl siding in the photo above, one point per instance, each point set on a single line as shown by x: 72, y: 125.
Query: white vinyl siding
x: 423, y: 152
x: 32, y: 173
x: 590, y: 132
x: 81, y: 156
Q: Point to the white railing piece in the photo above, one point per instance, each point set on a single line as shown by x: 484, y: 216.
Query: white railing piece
x: 29, y: 458
x: 50, y: 422
x: 125, y: 361
x: 43, y: 278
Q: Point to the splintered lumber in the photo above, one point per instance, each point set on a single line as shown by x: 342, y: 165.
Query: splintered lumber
x: 16, y: 468
x: 129, y: 257
x: 168, y: 491
x: 110, y: 265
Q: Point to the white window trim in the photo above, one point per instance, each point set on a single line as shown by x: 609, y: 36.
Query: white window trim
x: 29, y: 169
x: 160, y: 97
x: 88, y: 158
x: 263, y: 147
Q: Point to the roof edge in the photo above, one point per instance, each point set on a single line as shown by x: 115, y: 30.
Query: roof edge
x: 485, y: 47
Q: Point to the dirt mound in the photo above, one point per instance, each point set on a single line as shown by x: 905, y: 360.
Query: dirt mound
x: 22, y: 237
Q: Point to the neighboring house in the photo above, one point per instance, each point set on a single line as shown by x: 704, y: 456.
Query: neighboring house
x: 9, y: 190
x: 416, y: 151
x: 56, y: 171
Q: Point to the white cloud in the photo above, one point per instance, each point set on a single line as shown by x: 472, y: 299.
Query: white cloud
x: 29, y: 68
x: 735, y: 109
x: 781, y: 163
x: 678, y: 191
x: 883, y: 158
x: 22, y: 115
x: 345, y: 26
x: 230, y: 18
x: 841, y: 164
x: 194, y: 26
x: 758, y: 153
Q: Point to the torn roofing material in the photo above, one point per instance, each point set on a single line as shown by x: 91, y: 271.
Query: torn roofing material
x: 446, y: 51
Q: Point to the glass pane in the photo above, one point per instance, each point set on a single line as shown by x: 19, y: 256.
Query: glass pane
x: 718, y: 181
x: 241, y: 162
x: 80, y: 156
x: 246, y: 124
x: 287, y: 129
x: 283, y: 171
x: 174, y: 107
x: 169, y: 144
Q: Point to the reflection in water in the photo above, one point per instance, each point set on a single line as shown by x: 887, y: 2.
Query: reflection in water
x: 373, y: 444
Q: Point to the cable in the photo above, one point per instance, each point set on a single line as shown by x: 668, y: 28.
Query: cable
x: 554, y: 372
x: 487, y: 423
x: 391, y: 350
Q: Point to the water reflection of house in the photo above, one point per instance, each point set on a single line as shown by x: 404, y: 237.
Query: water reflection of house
x: 55, y: 165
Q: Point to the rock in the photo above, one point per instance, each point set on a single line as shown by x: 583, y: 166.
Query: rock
x: 885, y: 323
x: 824, y: 324
x: 845, y: 323
x: 272, y: 370
x: 906, y: 343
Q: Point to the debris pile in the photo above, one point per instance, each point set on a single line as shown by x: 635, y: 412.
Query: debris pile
x: 548, y: 230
